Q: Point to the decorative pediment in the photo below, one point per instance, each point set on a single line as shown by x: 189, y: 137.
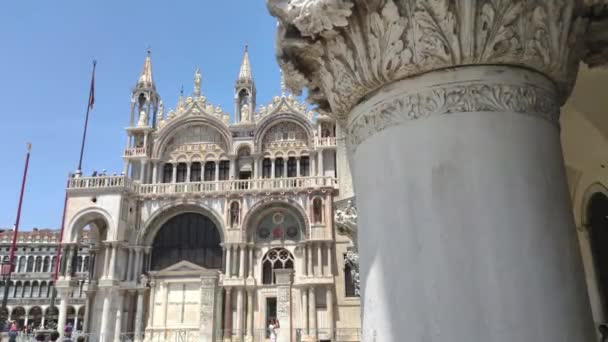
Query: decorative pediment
x: 182, y: 268
x: 195, y: 106
x: 282, y: 104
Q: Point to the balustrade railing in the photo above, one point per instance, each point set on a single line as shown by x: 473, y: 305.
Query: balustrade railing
x: 123, y: 183
x: 135, y: 152
x: 325, y: 141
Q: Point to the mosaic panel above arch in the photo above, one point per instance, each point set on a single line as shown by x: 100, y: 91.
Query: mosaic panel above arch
x: 197, y: 140
x: 278, y: 225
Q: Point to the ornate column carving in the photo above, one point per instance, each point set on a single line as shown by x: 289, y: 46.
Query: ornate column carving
x: 208, y: 289
x: 450, y: 111
x: 284, y: 280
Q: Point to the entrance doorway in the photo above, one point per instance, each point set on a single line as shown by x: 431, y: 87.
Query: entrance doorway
x: 271, y: 312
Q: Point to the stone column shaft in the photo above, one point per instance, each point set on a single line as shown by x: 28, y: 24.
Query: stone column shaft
x: 87, y: 312
x: 320, y: 259
x: 242, y: 262
x: 250, y: 313
x: 305, y: 306
x: 228, y: 314
x: 228, y: 261
x: 139, y: 316
x: 112, y: 267
x: 328, y: 269
x: 63, y: 311
x: 309, y: 260
x: 105, y: 317
x: 130, y: 263
x: 320, y: 163
x: 312, y: 312
x: 250, y: 263
x: 329, y: 300
x: 240, y: 307
x: 118, y: 318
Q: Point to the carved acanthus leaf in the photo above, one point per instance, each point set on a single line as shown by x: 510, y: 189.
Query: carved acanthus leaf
x: 343, y: 50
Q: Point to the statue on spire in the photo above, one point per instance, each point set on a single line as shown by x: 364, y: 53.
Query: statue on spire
x: 197, y: 82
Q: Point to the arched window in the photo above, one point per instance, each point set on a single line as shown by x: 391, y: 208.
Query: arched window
x: 209, y: 171
x: 305, y: 166
x: 22, y: 261
x: 598, y: 219
x: 275, y: 259
x: 317, y: 210
x: 278, y: 168
x: 46, y: 265
x: 30, y: 264
x: 267, y: 168
x: 35, y: 289
x: 168, y: 173
x: 38, y: 264
x: 292, y: 167
x: 195, y: 172
x: 182, y: 171
x: 27, y: 289
x: 235, y: 214
x: 191, y: 237
x: 224, y: 169
x: 44, y: 289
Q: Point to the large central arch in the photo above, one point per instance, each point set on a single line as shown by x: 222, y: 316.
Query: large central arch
x: 189, y: 237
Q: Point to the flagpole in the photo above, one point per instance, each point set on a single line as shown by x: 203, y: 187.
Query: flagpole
x: 8, y: 269
x: 86, y: 121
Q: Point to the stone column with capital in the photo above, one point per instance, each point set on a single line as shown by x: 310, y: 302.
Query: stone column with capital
x: 105, y: 316
x: 450, y: 111
x: 118, y: 317
x: 227, y: 333
x: 249, y: 336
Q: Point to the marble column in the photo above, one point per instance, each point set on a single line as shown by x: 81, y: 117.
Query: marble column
x: 242, y: 262
x: 217, y: 170
x: 249, y: 315
x: 250, y: 263
x: 139, y: 315
x: 305, y: 306
x: 188, y: 172
x: 105, y: 316
x: 312, y: 313
x: 63, y: 309
x: 87, y: 311
x: 228, y: 261
x: 309, y: 267
x: 272, y: 165
x: 320, y: 166
x: 329, y: 268
x: 298, y: 166
x: 130, y: 263
x: 319, y: 259
x: 453, y: 138
x: 174, y: 173
x: 304, y: 265
x: 240, y: 307
x: 228, y: 315
x: 118, y: 317
x: 75, y: 320
x: 142, y: 171
x: 154, y: 172
x: 112, y: 267
x: 151, y: 303
x: 329, y: 301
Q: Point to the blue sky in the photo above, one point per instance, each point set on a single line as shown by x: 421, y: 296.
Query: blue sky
x: 45, y: 62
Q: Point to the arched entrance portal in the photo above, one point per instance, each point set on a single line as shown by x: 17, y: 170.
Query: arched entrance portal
x: 187, y: 237
x: 598, y: 220
x: 184, y: 269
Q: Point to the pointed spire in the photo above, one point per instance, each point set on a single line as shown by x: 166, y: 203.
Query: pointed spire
x: 245, y: 72
x: 145, y: 79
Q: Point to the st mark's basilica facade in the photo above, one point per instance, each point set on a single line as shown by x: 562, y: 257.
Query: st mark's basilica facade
x: 216, y: 225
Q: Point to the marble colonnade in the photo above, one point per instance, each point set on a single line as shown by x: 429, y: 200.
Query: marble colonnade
x: 451, y: 113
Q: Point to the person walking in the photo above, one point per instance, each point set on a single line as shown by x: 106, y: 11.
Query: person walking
x: 272, y: 329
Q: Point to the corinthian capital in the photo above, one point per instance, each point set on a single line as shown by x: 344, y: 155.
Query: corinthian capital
x: 343, y: 50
